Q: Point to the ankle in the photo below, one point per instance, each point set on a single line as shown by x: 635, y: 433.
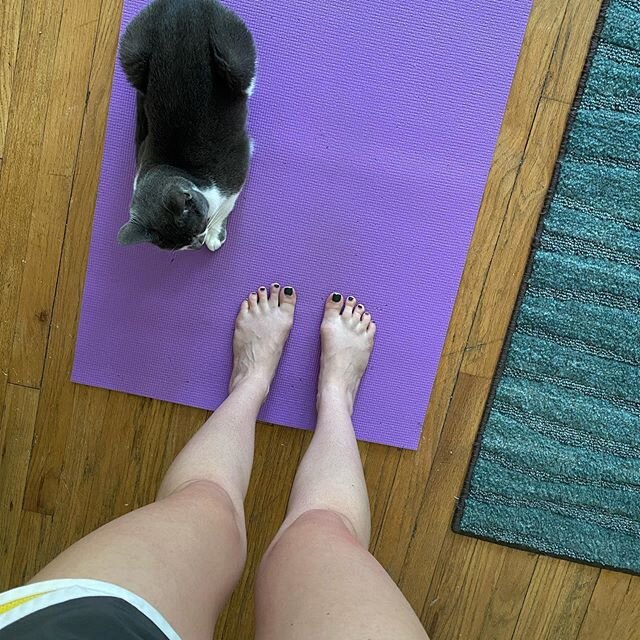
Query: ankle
x: 253, y: 385
x: 334, y: 397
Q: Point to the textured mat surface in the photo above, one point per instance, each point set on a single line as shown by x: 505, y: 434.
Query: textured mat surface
x: 375, y: 126
x: 556, y: 468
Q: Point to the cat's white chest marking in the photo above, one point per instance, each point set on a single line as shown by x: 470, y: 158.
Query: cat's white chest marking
x: 251, y: 88
x: 220, y: 206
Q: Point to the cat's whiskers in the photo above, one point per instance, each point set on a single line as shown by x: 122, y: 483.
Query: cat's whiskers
x: 215, y: 218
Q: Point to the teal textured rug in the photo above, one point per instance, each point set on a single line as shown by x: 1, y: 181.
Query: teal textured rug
x: 556, y: 467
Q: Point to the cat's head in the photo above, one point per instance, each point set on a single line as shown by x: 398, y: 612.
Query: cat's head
x: 169, y: 212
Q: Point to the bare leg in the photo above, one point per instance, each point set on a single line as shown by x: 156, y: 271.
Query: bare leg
x: 222, y: 451
x: 185, y: 552
x: 317, y: 580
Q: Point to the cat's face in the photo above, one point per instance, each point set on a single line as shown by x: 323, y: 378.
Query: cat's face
x: 168, y: 212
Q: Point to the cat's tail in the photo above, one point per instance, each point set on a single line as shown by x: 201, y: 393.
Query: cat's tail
x: 233, y: 50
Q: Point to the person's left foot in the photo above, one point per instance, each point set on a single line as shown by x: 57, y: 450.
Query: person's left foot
x: 262, y: 329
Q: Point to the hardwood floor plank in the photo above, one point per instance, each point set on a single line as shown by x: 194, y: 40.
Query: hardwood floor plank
x: 32, y: 78
x: 30, y: 555
x: 470, y: 602
x: 380, y: 470
x: 571, y: 606
x: 454, y: 584
x: 16, y: 434
x: 52, y: 189
x: 607, y: 606
x: 433, y: 520
x: 503, y: 609
x: 160, y: 432
x: 568, y: 60
x: 10, y: 19
x: 56, y: 404
x: 628, y: 622
x: 512, y: 250
x: 87, y: 417
x: 556, y: 600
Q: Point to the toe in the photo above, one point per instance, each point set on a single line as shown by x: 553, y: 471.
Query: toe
x: 349, y: 306
x: 262, y: 295
x: 334, y: 303
x: 366, y: 320
x: 372, y: 329
x: 274, y: 295
x: 358, y: 311
x: 253, y: 301
x: 287, y: 297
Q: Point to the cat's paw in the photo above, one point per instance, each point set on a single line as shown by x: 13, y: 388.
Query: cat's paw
x: 215, y: 238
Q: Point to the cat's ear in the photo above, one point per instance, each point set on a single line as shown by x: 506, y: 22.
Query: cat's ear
x: 133, y: 233
x: 175, y: 198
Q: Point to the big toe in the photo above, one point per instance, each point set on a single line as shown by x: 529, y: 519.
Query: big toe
x: 333, y: 305
x: 288, y: 298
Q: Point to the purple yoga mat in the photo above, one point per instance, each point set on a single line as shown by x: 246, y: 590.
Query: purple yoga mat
x: 375, y: 125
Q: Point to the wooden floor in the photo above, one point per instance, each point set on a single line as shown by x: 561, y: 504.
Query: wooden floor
x: 73, y: 458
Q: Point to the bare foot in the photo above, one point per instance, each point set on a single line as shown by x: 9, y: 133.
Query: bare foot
x: 347, y: 341
x: 262, y: 328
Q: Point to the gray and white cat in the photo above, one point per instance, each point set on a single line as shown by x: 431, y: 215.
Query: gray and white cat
x: 193, y: 65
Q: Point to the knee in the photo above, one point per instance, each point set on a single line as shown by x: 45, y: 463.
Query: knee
x: 324, y: 522
x: 314, y: 530
x: 210, y: 500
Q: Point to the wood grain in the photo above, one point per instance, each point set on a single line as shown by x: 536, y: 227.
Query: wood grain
x: 571, y: 49
x: 16, y: 434
x: 512, y: 249
x: 10, y: 19
x: 608, y: 608
x: 32, y: 78
x: 35, y: 532
x: 505, y: 602
x: 556, y: 600
x: 58, y: 151
x: 75, y: 457
x: 56, y: 405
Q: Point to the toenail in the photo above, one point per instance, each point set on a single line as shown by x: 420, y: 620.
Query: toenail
x: 350, y: 298
x: 288, y: 291
x: 360, y: 306
x: 263, y: 288
x: 276, y: 286
x: 336, y: 297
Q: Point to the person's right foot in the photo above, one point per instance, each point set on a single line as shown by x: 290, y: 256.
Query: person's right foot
x: 347, y: 333
x: 262, y: 328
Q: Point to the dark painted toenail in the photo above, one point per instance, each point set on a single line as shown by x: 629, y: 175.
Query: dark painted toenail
x: 336, y: 297
x: 276, y: 286
x: 350, y: 298
x: 263, y: 288
x: 360, y: 306
x: 288, y: 291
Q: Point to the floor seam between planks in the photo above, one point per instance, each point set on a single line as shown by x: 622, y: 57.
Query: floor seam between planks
x: 74, y: 176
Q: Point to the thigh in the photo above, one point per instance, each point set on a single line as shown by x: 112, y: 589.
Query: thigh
x: 182, y: 554
x: 319, y: 583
